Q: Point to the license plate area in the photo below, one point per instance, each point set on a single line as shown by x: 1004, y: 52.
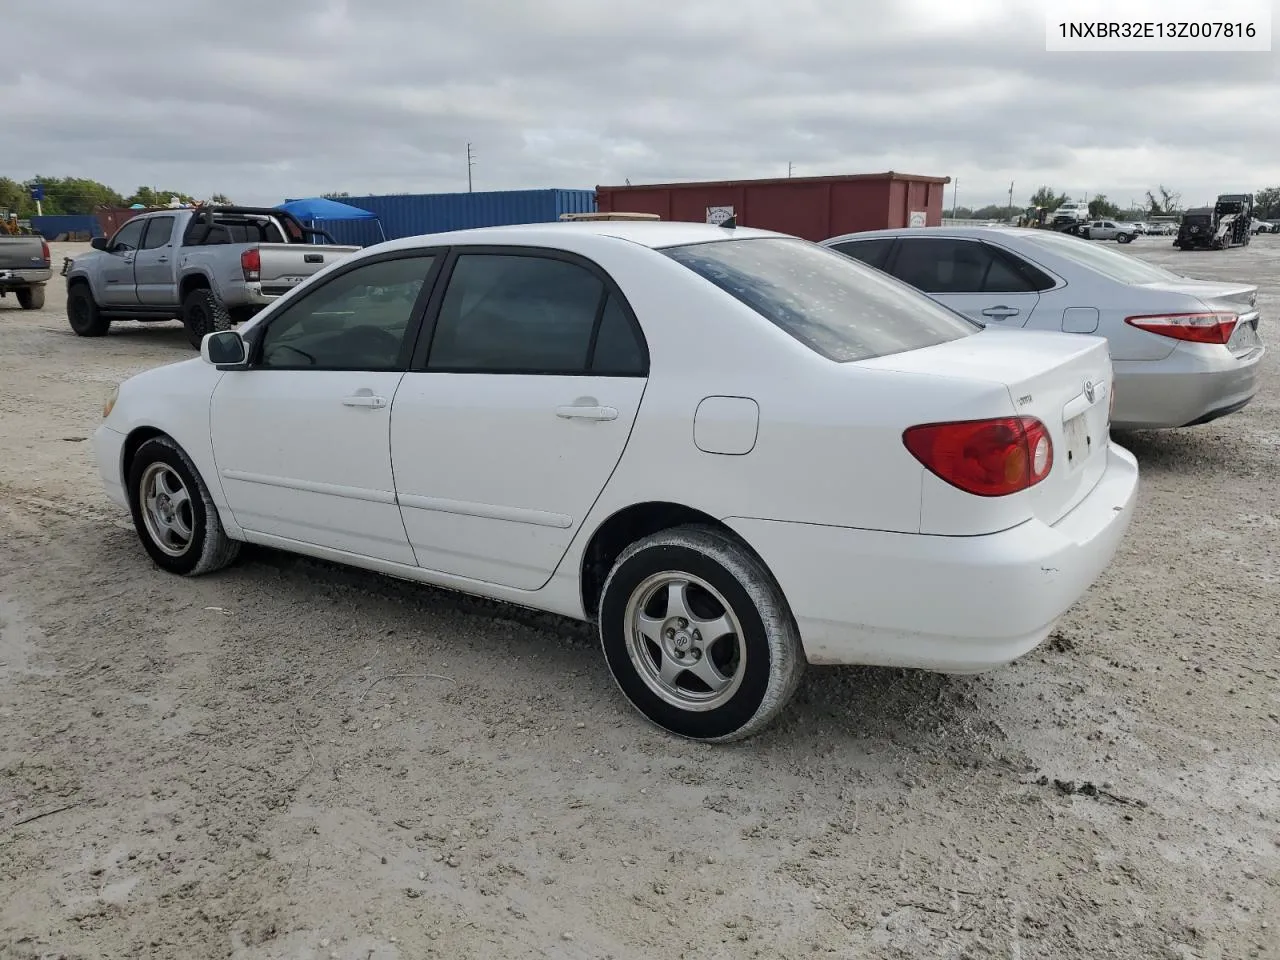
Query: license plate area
x: 1244, y: 338
x: 1079, y: 443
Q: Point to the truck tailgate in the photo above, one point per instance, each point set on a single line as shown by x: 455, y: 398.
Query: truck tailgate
x: 22, y: 253
x: 285, y: 265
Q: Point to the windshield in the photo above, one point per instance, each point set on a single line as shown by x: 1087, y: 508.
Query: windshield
x: 833, y: 304
x: 1108, y: 262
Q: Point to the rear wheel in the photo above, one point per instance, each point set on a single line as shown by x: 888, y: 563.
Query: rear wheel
x: 83, y: 313
x: 202, y: 313
x: 698, y: 635
x: 1124, y: 237
x: 31, y: 298
x: 173, y: 513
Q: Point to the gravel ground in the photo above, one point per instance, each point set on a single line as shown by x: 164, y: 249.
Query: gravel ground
x: 257, y: 764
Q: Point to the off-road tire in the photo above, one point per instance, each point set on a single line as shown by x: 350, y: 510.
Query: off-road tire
x: 772, y: 655
x: 203, y: 312
x: 83, y: 313
x: 210, y: 548
x: 31, y: 298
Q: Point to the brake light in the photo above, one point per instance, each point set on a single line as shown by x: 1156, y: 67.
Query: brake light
x: 251, y: 264
x: 44, y: 251
x: 989, y: 458
x: 1191, y: 327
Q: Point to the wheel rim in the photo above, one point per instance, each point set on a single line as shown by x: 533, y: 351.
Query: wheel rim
x: 685, y: 641
x: 166, y: 509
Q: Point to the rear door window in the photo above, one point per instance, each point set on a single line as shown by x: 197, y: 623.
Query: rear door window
x: 873, y: 252
x: 835, y: 305
x: 940, y: 265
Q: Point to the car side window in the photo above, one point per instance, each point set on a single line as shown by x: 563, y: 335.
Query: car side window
x: 942, y: 265
x: 358, y: 320
x: 514, y: 313
x: 618, y: 349
x: 1012, y: 274
x: 872, y: 252
x: 159, y: 233
x: 128, y: 237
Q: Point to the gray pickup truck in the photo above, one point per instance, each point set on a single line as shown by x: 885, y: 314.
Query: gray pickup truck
x: 209, y: 267
x: 24, y: 269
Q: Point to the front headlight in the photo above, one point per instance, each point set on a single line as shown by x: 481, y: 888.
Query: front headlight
x: 110, y: 403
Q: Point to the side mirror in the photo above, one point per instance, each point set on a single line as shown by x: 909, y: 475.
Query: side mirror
x: 99, y: 243
x: 225, y: 350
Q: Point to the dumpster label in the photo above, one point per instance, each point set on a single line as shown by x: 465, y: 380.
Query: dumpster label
x: 916, y: 218
x: 718, y: 215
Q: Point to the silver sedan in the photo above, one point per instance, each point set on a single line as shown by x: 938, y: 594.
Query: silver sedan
x: 1185, y: 351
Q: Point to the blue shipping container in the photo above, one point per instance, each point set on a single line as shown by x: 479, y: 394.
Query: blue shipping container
x: 410, y: 215
x: 57, y: 225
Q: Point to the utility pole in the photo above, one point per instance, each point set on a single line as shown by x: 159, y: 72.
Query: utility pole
x: 1010, y: 198
x: 788, y: 169
x: 470, y: 161
x: 955, y: 192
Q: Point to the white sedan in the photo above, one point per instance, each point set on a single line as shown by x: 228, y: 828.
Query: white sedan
x: 736, y: 451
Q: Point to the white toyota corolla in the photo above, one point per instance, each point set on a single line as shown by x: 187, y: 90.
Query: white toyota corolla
x: 736, y: 451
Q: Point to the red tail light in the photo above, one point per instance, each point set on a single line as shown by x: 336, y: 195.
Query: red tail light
x: 251, y: 264
x: 44, y: 251
x: 1192, y: 327
x: 989, y: 458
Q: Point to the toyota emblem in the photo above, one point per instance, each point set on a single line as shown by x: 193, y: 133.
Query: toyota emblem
x: 1088, y: 390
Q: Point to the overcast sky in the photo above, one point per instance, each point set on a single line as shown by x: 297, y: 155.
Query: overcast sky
x: 263, y: 99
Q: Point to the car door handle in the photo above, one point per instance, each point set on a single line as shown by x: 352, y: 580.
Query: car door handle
x: 576, y: 412
x: 364, y: 400
x: 162, y: 259
x: 1001, y: 312
x: 127, y: 260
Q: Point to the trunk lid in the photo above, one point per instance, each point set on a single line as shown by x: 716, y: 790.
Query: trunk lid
x: 1064, y: 380
x: 285, y: 265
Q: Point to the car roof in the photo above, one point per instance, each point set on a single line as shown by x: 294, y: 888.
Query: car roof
x: 653, y: 234
x: 975, y: 232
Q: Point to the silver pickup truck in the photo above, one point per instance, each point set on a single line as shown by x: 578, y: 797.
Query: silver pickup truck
x: 24, y: 269
x: 209, y: 267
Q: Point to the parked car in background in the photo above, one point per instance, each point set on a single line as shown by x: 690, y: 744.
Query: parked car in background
x: 1185, y: 351
x: 1261, y: 226
x: 600, y: 420
x: 1116, y: 230
x: 24, y: 269
x: 209, y: 267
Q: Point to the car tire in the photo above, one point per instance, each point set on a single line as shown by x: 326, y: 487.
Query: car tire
x: 31, y: 298
x: 1124, y: 237
x: 674, y: 581
x: 173, y: 513
x: 203, y: 312
x: 83, y: 313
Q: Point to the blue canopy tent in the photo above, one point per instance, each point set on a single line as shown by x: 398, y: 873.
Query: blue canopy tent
x: 316, y: 211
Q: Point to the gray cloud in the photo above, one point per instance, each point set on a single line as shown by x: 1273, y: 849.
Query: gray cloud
x: 267, y: 99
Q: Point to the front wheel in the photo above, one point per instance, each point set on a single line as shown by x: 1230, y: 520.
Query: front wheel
x: 31, y: 298
x: 173, y: 513
x: 698, y: 635
x: 83, y: 313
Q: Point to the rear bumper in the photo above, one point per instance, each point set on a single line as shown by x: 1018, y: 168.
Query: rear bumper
x: 948, y: 604
x: 1194, y: 384
x: 11, y: 278
x: 108, y: 450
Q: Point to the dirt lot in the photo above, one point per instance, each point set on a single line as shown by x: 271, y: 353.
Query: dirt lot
x: 255, y: 764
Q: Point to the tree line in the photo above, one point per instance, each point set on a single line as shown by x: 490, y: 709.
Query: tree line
x: 1159, y: 202
x: 71, y: 195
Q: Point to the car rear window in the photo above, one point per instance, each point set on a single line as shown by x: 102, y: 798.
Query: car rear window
x: 836, y: 306
x: 1106, y: 261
